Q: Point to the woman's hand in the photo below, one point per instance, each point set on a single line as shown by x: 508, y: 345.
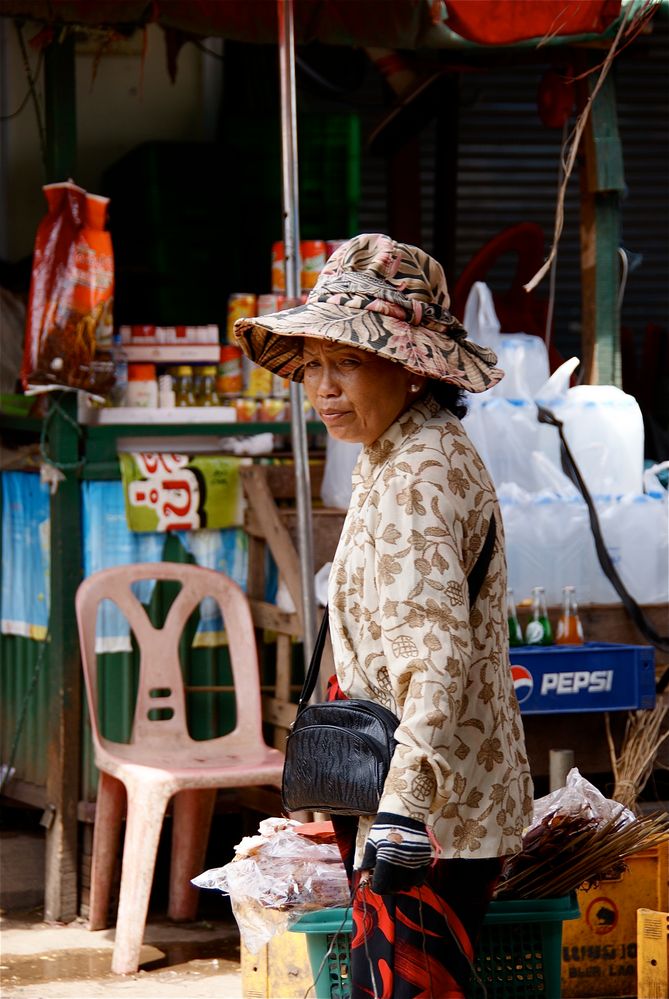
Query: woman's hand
x: 399, y: 853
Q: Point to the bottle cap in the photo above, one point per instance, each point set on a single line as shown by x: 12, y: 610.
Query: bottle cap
x: 141, y: 372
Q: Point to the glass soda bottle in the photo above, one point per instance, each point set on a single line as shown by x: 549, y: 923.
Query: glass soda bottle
x: 515, y: 631
x: 538, y: 630
x: 569, y: 628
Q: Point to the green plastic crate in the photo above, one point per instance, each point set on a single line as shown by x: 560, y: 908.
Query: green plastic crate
x: 518, y: 955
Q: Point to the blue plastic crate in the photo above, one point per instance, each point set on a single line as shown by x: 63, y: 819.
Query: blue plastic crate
x: 596, y: 676
x: 518, y: 955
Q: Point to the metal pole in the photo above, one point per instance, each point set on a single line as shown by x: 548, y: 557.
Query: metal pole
x: 291, y: 241
x: 560, y: 763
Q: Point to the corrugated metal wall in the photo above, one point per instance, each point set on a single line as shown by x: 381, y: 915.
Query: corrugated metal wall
x: 24, y: 700
x: 508, y: 172
x: 24, y: 695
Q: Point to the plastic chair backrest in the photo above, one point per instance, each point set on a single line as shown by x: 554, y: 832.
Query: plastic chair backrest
x: 161, y: 687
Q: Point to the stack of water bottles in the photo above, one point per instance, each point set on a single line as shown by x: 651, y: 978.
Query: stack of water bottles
x: 549, y: 540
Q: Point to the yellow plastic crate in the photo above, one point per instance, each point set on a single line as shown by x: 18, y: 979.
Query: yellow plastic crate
x: 599, y: 950
x: 280, y: 970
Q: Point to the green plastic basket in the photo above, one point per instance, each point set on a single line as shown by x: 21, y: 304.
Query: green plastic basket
x: 518, y: 955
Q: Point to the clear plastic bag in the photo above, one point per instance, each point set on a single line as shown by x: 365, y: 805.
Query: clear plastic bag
x: 576, y: 838
x: 480, y: 318
x: 275, y: 878
x: 579, y: 797
x: 340, y: 459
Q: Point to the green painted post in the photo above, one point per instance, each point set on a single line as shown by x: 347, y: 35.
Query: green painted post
x: 601, y: 183
x: 63, y: 747
x: 60, y: 109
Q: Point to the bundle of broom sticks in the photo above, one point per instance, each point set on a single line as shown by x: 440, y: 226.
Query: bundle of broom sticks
x: 565, y: 852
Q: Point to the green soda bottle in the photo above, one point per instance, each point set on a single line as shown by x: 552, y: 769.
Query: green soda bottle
x: 538, y: 630
x: 515, y: 631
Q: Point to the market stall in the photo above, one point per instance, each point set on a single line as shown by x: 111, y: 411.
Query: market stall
x: 84, y: 451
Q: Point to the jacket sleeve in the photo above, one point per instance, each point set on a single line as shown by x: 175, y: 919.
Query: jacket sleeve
x: 426, y: 637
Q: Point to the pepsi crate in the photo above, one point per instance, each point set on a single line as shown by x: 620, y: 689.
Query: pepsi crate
x: 595, y: 676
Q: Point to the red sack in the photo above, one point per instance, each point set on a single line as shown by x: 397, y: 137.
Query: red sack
x: 69, y: 321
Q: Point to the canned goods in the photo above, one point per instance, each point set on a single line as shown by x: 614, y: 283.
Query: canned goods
x: 241, y: 304
x: 258, y: 381
x: 229, y: 378
x: 280, y: 387
x: 269, y: 303
x: 278, y: 268
x: 246, y: 410
x: 313, y: 253
x: 273, y: 410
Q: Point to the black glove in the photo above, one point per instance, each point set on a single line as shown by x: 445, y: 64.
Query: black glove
x: 399, y: 852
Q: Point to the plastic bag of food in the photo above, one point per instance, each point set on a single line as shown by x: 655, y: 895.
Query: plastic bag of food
x: 579, y: 797
x: 277, y: 876
x: 69, y: 321
x: 576, y: 838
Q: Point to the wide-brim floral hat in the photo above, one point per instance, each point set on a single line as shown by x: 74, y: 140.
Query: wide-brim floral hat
x: 378, y: 295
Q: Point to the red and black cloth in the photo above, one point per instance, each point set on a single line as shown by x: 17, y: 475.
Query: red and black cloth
x: 416, y: 944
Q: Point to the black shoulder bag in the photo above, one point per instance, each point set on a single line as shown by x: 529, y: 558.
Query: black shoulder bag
x: 338, y: 753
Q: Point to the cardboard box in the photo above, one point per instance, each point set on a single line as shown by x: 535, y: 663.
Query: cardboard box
x: 599, y: 950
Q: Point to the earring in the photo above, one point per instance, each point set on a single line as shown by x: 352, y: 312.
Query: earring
x: 414, y: 388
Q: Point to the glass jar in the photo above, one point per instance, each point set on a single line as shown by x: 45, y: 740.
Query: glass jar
x: 142, y: 387
x: 183, y: 386
x: 206, y: 390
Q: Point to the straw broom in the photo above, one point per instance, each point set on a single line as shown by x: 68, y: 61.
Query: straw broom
x: 641, y: 741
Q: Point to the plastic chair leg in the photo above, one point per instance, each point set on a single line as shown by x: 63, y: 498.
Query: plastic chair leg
x: 109, y: 810
x: 192, y: 813
x: 147, y: 803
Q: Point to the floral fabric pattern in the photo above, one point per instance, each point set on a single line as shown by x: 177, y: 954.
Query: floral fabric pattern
x: 379, y: 295
x: 403, y: 634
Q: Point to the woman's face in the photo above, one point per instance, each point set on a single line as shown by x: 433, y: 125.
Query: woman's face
x: 355, y: 393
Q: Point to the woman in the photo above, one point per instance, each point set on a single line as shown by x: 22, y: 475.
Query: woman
x: 383, y: 363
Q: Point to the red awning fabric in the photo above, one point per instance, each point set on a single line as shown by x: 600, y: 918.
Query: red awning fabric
x: 499, y: 22
x: 399, y: 24
x: 392, y: 23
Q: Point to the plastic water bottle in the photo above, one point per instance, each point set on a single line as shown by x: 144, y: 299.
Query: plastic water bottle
x: 119, y: 391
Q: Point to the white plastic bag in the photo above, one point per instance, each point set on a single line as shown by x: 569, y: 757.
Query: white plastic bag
x: 340, y: 459
x: 275, y: 878
x: 480, y: 319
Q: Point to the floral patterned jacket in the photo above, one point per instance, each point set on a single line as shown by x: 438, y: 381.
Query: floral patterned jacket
x: 403, y: 635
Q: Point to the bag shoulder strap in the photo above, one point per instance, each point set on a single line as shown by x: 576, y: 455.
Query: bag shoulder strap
x: 479, y: 570
x: 660, y: 642
x: 475, y: 580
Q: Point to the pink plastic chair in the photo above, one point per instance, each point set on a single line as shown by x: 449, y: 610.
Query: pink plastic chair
x: 162, y: 760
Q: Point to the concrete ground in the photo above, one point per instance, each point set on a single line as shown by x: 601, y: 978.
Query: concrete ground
x: 46, y: 961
